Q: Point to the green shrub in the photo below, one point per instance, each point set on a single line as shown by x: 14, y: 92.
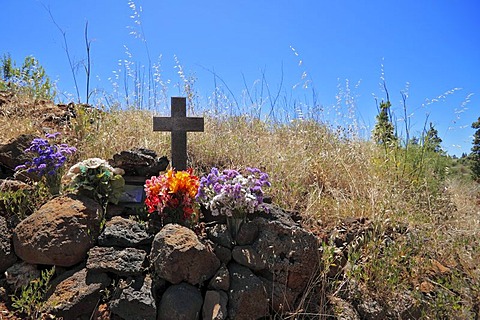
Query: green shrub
x: 21, y: 203
x: 31, y: 299
x: 29, y: 79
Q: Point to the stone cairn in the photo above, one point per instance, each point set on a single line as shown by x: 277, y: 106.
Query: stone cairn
x: 169, y: 273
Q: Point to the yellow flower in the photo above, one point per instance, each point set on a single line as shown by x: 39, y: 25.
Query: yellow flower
x: 182, y: 181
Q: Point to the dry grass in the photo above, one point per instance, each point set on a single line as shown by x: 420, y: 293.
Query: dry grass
x: 327, y: 178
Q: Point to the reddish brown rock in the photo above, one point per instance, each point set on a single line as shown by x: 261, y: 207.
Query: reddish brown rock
x: 140, y: 162
x: 219, y: 234
x: 178, y: 255
x: 223, y: 253
x: 59, y: 233
x: 76, y: 293
x: 247, y: 234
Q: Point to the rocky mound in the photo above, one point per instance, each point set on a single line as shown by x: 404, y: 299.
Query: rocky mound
x: 173, y: 274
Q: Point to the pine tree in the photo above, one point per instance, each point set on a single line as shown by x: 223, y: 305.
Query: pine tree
x: 432, y: 140
x: 6, y: 71
x: 475, y: 155
x: 383, y: 133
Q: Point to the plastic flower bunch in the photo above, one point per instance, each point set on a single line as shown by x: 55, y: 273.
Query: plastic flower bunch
x: 49, y: 158
x: 97, y: 179
x: 172, y: 195
x: 232, y: 194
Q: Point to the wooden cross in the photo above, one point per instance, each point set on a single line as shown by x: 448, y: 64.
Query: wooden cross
x: 178, y: 124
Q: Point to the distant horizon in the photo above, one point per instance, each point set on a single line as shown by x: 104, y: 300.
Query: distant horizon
x: 428, y: 50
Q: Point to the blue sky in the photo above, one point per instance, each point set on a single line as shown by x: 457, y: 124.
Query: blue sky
x: 425, y: 48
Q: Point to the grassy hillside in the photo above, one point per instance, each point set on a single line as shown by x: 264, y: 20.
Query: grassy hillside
x: 419, y: 209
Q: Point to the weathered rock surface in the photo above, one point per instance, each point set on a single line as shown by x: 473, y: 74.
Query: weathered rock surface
x: 76, y: 293
x: 12, y: 154
x: 219, y: 234
x: 139, y: 162
x: 122, y: 262
x: 134, y: 300
x: 7, y: 256
x: 178, y: 255
x: 223, y: 253
x: 403, y: 306
x: 20, y: 274
x: 247, y: 298
x: 215, y: 305
x: 248, y: 257
x: 181, y: 302
x: 279, y: 295
x: 291, y: 260
x: 125, y: 233
x: 221, y: 279
x: 247, y: 234
x: 59, y: 233
x: 273, y: 213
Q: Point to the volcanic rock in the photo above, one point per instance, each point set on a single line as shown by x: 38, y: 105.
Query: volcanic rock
x: 122, y: 262
x: 12, y: 154
x: 215, y: 305
x: 76, y: 293
x: 181, y: 301
x: 59, y: 233
x: 247, y: 298
x: 178, y: 255
x: 134, y: 300
x: 140, y: 162
x: 125, y: 233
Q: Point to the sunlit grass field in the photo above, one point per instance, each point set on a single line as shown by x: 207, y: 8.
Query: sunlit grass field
x: 422, y: 240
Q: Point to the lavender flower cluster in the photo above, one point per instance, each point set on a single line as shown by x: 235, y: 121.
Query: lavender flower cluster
x: 231, y: 194
x: 49, y: 158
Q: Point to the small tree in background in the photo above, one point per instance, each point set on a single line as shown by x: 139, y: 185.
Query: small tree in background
x: 384, y: 131
x: 432, y: 140
x: 475, y: 155
x: 30, y: 78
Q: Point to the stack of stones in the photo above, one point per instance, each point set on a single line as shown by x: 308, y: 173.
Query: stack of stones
x: 128, y: 270
x: 173, y: 274
x: 139, y: 162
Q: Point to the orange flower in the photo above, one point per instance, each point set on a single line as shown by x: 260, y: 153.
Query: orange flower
x: 175, y: 190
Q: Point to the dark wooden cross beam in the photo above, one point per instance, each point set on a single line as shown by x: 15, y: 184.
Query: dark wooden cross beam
x: 178, y: 124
